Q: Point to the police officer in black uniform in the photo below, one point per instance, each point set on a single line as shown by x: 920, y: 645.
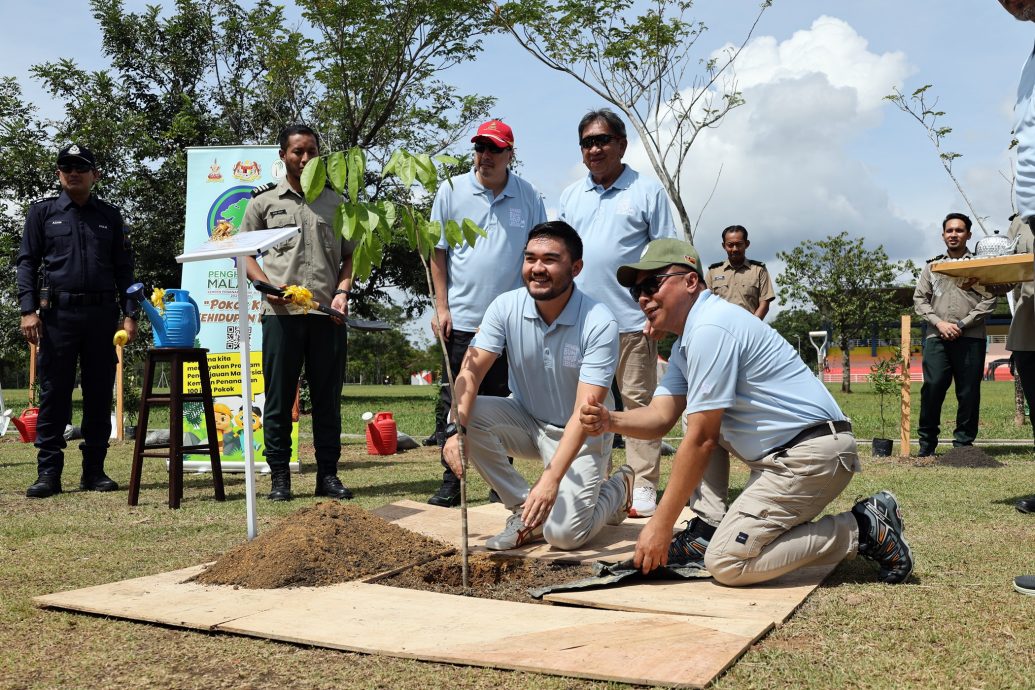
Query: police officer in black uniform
x: 74, y: 267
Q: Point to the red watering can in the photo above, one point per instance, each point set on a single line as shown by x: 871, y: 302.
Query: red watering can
x: 382, y: 434
x: 26, y: 424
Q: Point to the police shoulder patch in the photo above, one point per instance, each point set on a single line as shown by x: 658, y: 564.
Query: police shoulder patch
x: 756, y: 263
x: 717, y: 264
x: 936, y: 258
x: 262, y: 189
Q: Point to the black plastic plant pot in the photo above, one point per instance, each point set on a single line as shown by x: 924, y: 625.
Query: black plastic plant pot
x: 882, y: 447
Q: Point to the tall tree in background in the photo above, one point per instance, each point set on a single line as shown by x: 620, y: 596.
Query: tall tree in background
x: 364, y: 72
x: 643, y: 64
x: 27, y: 169
x: 847, y: 284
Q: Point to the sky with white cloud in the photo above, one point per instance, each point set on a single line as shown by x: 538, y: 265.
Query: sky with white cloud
x: 814, y: 151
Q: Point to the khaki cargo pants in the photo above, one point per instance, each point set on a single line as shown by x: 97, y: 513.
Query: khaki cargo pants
x: 768, y: 531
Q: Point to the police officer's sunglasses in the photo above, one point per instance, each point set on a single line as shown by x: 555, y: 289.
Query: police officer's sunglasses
x: 78, y: 167
x: 649, y: 286
x: 482, y: 147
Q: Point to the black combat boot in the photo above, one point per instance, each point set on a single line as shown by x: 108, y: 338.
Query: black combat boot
x: 46, y: 485
x: 280, y: 489
x: 329, y: 485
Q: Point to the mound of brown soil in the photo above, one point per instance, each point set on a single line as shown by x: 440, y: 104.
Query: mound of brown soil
x: 323, y: 544
x: 491, y: 576
x: 968, y: 456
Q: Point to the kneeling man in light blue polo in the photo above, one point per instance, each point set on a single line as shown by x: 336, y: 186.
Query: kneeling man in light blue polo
x: 562, y: 349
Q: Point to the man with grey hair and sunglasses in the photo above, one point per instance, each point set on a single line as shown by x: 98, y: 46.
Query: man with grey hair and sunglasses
x: 735, y: 378
x: 617, y: 211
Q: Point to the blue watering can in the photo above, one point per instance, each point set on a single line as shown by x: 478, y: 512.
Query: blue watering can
x: 182, y: 320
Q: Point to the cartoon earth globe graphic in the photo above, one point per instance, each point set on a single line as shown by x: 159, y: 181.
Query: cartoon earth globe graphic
x: 229, y: 207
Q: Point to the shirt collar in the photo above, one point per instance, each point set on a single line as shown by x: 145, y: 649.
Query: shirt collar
x: 624, y: 180
x: 509, y: 189
x: 284, y: 188
x: 64, y: 201
x: 568, y: 315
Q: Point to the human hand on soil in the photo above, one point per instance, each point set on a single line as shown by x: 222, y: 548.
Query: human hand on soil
x: 652, y: 546
x: 539, y: 502
x: 594, y: 417
x: 451, y: 453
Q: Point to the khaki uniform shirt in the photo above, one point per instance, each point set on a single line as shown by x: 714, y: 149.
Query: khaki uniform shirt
x: 747, y: 286
x: 312, y: 258
x: 938, y: 298
x: 1022, y: 328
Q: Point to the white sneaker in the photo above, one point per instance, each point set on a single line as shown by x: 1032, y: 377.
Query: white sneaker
x: 514, y: 535
x: 627, y: 477
x: 645, y: 501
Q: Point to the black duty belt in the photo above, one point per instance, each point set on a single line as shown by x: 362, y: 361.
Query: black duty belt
x: 83, y: 299
x: 817, y: 431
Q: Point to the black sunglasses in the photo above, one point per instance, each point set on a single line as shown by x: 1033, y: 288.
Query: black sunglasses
x: 482, y: 147
x: 78, y: 167
x: 651, y: 285
x: 600, y: 140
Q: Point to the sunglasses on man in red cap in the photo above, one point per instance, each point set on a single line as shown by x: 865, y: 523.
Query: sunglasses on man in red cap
x: 494, y: 136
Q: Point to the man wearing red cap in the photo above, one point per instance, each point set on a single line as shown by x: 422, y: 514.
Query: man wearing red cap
x: 468, y: 278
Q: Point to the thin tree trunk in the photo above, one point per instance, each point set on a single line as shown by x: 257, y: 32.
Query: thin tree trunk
x: 846, y: 371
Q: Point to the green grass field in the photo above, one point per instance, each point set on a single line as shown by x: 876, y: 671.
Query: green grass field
x: 956, y: 623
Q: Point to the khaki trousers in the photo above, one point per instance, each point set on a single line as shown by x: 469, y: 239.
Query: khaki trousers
x: 768, y: 532
x: 586, y: 498
x: 637, y: 376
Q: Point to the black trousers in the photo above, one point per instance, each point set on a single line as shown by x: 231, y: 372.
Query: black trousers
x: 288, y: 344
x: 495, y: 384
x: 76, y: 335
x: 1024, y: 363
x: 945, y: 361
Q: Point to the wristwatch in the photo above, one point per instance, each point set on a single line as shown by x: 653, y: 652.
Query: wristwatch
x: 452, y: 428
x: 959, y: 324
x: 342, y: 292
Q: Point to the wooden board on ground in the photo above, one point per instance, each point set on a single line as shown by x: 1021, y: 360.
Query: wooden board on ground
x: 610, y: 544
x: 992, y: 270
x: 651, y: 649
x: 772, y: 602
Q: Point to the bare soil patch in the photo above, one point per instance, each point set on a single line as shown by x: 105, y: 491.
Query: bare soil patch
x: 322, y: 544
x: 491, y: 576
x: 967, y: 456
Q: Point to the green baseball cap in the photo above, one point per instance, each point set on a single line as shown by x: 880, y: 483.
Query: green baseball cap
x: 658, y: 254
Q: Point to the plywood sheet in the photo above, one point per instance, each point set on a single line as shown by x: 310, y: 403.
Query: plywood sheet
x: 587, y: 643
x: 772, y: 601
x: 993, y: 270
x: 602, y: 645
x: 610, y: 544
x: 168, y: 599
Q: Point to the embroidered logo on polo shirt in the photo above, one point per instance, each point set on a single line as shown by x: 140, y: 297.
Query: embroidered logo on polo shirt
x: 571, y: 357
x: 517, y: 218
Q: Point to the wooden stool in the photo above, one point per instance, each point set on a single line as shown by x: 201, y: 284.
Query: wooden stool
x: 174, y: 449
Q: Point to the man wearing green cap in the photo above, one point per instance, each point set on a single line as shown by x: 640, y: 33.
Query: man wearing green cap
x: 737, y: 380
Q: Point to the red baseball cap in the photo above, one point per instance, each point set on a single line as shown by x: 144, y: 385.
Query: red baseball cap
x: 498, y: 132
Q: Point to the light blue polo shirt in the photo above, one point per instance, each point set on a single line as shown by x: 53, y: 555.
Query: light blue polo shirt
x: 477, y: 275
x: 546, y: 362
x: 1024, y: 130
x: 615, y: 225
x: 730, y: 360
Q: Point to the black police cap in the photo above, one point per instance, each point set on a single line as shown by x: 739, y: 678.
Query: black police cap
x: 74, y: 153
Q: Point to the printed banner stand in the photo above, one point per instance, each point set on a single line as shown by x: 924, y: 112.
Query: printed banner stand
x: 240, y: 247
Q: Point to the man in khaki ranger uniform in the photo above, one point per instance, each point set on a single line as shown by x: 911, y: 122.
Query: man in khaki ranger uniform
x: 955, y: 345
x: 318, y: 260
x: 739, y: 280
